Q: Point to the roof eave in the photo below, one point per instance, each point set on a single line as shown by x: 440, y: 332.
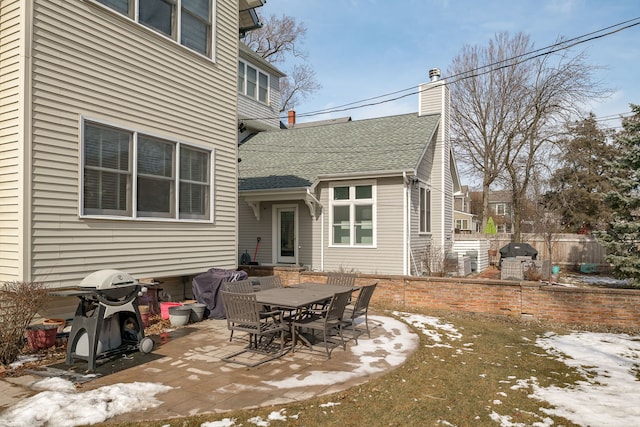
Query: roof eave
x: 365, y: 175
x: 275, y: 193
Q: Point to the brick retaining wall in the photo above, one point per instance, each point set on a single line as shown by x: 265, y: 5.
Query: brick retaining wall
x: 585, y: 306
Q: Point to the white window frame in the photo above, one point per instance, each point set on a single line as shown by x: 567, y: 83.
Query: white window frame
x: 243, y: 83
x: 424, y: 209
x: 462, y: 224
x: 352, y: 203
x: 177, y: 180
x: 501, y: 207
x: 133, y: 13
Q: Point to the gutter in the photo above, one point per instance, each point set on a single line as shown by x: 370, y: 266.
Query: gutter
x: 364, y: 175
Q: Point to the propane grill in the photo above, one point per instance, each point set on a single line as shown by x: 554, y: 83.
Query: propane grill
x: 107, y: 320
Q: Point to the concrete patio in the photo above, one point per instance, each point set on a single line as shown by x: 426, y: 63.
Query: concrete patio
x: 188, y: 360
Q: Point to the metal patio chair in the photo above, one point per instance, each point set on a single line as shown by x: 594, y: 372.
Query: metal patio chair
x: 360, y: 309
x: 269, y: 282
x: 341, y: 279
x: 328, y: 320
x: 245, y: 314
x: 238, y: 287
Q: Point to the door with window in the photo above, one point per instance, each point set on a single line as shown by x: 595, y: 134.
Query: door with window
x: 285, y: 232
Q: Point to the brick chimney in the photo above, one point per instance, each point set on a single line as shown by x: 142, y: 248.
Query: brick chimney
x: 291, y: 118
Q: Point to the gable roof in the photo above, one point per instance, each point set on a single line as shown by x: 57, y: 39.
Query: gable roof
x: 298, y: 157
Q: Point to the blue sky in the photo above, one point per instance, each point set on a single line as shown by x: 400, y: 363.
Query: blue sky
x: 365, y: 48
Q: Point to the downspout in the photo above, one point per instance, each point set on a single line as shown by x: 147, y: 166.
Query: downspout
x: 406, y: 238
x: 322, y: 240
x: 25, y: 146
x: 321, y: 218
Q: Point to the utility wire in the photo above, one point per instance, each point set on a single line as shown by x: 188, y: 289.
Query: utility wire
x: 476, y: 72
x: 490, y: 66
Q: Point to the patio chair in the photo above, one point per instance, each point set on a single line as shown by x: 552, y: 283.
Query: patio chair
x: 269, y: 282
x: 238, y: 287
x: 341, y: 279
x: 245, y: 314
x: 360, y: 308
x: 327, y: 320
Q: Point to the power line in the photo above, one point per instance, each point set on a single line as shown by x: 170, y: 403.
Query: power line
x: 473, y: 73
x: 476, y: 72
x: 504, y: 61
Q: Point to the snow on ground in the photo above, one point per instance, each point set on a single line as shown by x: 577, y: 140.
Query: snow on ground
x: 60, y: 405
x: 570, y: 279
x: 609, y: 362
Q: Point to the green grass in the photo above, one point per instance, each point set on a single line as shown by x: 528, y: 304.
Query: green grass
x: 457, y: 383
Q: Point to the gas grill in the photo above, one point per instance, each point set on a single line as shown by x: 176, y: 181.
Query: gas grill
x: 107, y: 320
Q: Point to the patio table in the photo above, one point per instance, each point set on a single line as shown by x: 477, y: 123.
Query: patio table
x: 293, y: 297
x: 300, y: 296
x: 324, y: 287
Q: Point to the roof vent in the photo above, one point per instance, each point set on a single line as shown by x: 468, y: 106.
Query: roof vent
x: 434, y: 74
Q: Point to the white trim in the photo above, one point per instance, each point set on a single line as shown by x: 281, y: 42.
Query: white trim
x: 406, y: 229
x: 25, y: 114
x: 275, y: 226
x: 176, y: 40
x: 428, y: 213
x: 322, y: 247
x: 258, y: 72
x: 134, y: 168
x: 352, y: 203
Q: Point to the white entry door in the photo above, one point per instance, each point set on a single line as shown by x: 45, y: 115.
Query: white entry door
x: 285, y: 232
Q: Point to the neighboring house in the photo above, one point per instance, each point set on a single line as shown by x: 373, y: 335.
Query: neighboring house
x: 119, y: 143
x: 258, y: 94
x: 500, y: 208
x: 464, y: 220
x: 368, y: 195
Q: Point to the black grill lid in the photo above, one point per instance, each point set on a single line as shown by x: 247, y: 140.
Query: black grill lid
x: 518, y: 249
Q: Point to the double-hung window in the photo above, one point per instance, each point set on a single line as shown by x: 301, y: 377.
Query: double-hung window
x: 253, y: 82
x: 134, y: 175
x: 188, y: 22
x: 353, y: 214
x: 462, y: 224
x: 424, y: 201
x: 501, y: 209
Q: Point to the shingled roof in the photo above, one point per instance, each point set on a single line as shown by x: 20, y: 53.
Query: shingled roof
x: 295, y: 158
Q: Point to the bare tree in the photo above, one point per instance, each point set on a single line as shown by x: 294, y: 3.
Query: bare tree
x: 504, y: 117
x: 278, y: 41
x: 481, y: 110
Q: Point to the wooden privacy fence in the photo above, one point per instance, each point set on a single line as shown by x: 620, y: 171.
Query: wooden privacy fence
x: 568, y: 249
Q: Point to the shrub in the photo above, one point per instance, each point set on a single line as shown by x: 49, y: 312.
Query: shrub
x: 19, y: 303
x: 533, y: 272
x: 435, y: 260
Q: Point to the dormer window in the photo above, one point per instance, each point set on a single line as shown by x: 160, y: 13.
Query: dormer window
x: 188, y: 22
x: 252, y: 82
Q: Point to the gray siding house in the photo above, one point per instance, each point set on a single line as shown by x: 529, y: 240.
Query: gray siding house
x: 465, y: 221
x: 258, y: 94
x: 119, y: 137
x: 368, y: 196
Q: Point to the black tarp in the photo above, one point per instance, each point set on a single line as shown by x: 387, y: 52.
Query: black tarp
x: 207, y: 286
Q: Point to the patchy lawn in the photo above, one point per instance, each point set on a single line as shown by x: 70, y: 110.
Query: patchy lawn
x: 475, y: 370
